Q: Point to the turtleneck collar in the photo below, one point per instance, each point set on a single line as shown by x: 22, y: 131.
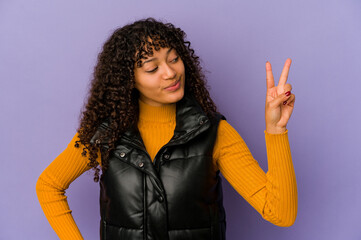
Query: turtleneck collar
x: 165, y: 113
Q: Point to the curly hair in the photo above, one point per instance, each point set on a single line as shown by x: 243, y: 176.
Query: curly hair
x: 112, y: 96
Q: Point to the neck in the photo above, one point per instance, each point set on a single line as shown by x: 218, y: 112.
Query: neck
x: 164, y: 113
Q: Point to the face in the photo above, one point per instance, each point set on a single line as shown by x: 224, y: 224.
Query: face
x: 161, y: 78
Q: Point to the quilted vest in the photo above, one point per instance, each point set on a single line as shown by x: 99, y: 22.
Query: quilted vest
x: 178, y: 196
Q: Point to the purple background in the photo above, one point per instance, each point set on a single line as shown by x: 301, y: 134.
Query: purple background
x: 47, y: 54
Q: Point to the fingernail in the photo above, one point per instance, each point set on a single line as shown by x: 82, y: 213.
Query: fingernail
x: 284, y: 103
x: 288, y: 93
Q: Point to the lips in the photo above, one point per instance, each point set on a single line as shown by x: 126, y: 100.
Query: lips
x: 173, y: 84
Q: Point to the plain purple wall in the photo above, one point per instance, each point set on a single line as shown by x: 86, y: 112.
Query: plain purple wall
x: 47, y: 53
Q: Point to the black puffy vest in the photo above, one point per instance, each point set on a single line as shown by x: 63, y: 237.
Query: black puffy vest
x: 178, y: 196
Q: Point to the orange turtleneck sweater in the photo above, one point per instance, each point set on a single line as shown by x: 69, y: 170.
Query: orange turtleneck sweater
x: 272, y: 194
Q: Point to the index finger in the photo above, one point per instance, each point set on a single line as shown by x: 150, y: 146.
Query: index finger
x: 269, y: 75
x: 285, y: 71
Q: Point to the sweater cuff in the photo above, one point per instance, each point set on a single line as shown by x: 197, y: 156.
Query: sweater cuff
x: 276, y: 142
x: 277, y: 134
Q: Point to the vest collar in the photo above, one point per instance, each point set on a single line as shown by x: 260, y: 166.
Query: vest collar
x: 190, y: 121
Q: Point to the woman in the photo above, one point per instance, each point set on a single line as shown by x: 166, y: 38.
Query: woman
x: 151, y: 126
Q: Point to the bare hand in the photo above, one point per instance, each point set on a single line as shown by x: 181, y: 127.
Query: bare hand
x: 277, y: 113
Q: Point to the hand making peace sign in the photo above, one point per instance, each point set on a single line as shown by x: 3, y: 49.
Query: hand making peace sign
x: 279, y: 100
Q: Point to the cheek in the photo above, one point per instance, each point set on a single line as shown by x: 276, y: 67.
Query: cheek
x: 147, y: 84
x: 151, y: 84
x: 141, y: 81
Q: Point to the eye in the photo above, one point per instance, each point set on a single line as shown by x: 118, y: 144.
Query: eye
x: 176, y: 59
x: 152, y: 70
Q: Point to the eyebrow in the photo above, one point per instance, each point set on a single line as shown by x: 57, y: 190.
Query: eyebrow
x: 152, y: 59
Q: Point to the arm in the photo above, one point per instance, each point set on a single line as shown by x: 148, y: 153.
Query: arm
x: 51, y: 186
x: 272, y: 194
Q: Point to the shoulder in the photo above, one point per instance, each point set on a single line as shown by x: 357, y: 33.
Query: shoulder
x: 224, y: 128
x: 227, y: 135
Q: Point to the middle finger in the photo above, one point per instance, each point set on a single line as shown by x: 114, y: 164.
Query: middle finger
x: 284, y: 74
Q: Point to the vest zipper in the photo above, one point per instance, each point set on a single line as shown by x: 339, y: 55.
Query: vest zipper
x: 158, y: 183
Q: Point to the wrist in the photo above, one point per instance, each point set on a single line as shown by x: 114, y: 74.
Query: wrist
x: 275, y: 130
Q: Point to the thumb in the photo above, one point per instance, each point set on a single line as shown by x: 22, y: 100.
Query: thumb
x: 282, y: 98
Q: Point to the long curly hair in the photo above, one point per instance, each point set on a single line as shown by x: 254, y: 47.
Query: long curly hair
x: 112, y: 96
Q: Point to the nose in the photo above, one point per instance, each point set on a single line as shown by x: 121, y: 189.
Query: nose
x: 169, y: 72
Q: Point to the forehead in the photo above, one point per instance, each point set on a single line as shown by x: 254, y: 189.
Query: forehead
x: 146, y: 51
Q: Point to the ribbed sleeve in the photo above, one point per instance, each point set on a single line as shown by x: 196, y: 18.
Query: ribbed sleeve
x: 51, y: 186
x: 272, y: 194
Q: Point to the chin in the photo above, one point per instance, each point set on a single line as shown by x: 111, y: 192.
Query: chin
x: 179, y: 96
x: 176, y: 97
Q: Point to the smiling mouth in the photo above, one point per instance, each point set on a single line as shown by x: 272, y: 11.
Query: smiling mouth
x: 175, y: 83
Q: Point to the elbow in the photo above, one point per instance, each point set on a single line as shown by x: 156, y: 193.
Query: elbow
x: 286, y: 223
x: 289, y: 220
x: 42, y: 186
x: 286, y: 219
